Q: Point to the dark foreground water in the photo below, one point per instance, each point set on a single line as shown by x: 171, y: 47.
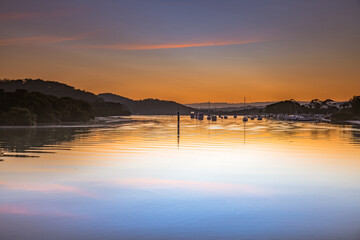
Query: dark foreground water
x: 224, y: 180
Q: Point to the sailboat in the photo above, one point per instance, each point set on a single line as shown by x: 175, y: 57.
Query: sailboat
x: 209, y: 116
x: 245, y: 119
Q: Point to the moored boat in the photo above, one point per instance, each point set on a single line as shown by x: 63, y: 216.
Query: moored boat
x: 200, y: 116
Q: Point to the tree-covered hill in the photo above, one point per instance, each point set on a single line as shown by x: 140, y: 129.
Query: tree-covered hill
x: 28, y: 108
x: 47, y: 87
x: 316, y: 106
x: 148, y: 106
x: 341, y: 111
x: 287, y: 107
x: 103, y: 105
x: 98, y: 105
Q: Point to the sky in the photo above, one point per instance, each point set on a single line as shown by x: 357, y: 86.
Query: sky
x: 187, y: 50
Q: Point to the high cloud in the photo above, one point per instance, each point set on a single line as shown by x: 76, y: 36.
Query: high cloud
x: 171, y: 46
x: 39, y: 40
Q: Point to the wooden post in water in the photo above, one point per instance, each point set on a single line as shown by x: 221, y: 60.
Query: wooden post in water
x: 178, y: 128
x: 178, y: 122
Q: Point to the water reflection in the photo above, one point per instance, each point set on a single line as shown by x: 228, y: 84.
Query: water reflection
x: 145, y: 180
x: 27, y: 139
x: 356, y: 135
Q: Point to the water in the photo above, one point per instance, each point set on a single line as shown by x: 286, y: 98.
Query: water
x: 223, y: 180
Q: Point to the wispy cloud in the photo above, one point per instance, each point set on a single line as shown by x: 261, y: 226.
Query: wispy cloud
x: 171, y: 46
x: 40, y: 39
x: 28, y: 15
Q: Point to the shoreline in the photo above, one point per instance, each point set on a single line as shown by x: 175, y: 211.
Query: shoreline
x: 113, y: 121
x: 98, y: 122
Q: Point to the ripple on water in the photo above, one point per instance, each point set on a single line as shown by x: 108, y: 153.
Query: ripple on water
x: 216, y: 180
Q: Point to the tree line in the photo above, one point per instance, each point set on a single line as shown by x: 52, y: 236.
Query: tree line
x: 344, y: 111
x: 29, y: 108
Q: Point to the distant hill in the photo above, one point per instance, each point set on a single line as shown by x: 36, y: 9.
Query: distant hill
x: 29, y: 108
x: 47, y: 87
x: 106, y: 104
x: 224, y: 106
x: 148, y: 106
x: 61, y: 90
x: 110, y: 97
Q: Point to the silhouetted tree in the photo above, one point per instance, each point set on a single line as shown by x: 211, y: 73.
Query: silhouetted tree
x: 286, y: 107
x: 17, y: 116
x: 24, y: 108
x: 355, y: 104
x: 327, y: 101
x: 345, y: 105
x: 315, y: 105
